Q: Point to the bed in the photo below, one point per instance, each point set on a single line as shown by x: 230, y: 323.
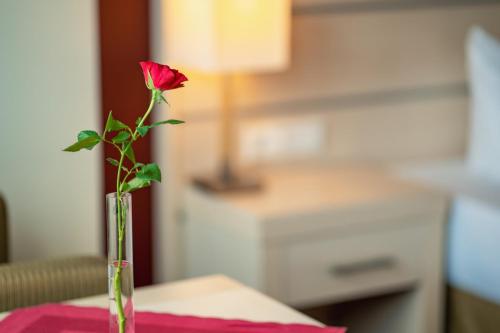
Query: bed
x: 474, y: 266
x: 473, y: 243
x: 474, y: 227
x: 473, y: 238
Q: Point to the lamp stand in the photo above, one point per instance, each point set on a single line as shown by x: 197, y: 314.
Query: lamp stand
x: 227, y: 178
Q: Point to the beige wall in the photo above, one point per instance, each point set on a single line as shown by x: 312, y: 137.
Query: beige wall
x: 48, y: 92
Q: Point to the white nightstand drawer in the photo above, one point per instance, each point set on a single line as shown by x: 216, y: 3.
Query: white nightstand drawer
x: 348, y: 267
x: 321, y: 235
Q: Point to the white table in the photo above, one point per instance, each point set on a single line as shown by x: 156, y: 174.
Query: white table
x: 214, y: 296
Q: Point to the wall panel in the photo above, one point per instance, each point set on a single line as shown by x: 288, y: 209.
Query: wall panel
x: 49, y: 92
x: 362, y: 60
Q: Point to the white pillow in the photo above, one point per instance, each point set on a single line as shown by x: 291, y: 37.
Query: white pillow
x: 483, y: 52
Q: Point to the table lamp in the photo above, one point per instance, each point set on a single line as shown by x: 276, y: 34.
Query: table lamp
x: 227, y: 37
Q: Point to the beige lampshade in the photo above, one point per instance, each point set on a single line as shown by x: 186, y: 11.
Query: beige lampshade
x: 228, y: 35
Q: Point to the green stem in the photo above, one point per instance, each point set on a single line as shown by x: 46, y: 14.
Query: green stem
x: 154, y: 95
x: 122, y: 320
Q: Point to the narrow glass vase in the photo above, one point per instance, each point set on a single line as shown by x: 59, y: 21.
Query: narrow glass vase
x: 120, y: 271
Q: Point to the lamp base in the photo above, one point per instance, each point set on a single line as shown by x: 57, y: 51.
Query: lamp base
x: 233, y: 184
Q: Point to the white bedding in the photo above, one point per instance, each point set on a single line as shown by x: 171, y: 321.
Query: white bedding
x: 474, y: 247
x: 473, y: 237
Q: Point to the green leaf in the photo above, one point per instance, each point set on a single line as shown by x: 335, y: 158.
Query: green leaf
x: 115, y: 163
x: 135, y: 184
x: 87, y: 143
x: 143, y: 130
x: 170, y: 121
x: 150, y: 172
x: 121, y: 137
x: 137, y: 165
x: 138, y: 121
x: 86, y: 140
x: 130, y: 154
x: 113, y: 124
x: 88, y: 134
x: 112, y: 161
x: 164, y: 99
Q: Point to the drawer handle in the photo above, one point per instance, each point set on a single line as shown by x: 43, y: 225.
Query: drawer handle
x: 376, y: 264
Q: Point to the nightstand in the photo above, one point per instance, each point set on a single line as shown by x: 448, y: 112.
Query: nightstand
x: 324, y: 235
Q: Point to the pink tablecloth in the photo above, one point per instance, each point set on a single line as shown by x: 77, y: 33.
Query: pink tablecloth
x: 55, y: 318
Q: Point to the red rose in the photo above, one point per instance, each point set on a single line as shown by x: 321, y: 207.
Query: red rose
x: 163, y: 77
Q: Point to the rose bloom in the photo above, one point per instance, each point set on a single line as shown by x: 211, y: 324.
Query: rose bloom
x: 163, y: 77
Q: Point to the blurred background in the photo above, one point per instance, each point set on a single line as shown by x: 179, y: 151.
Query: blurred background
x: 338, y: 155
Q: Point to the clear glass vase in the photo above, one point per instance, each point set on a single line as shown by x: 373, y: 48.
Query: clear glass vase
x: 120, y: 257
